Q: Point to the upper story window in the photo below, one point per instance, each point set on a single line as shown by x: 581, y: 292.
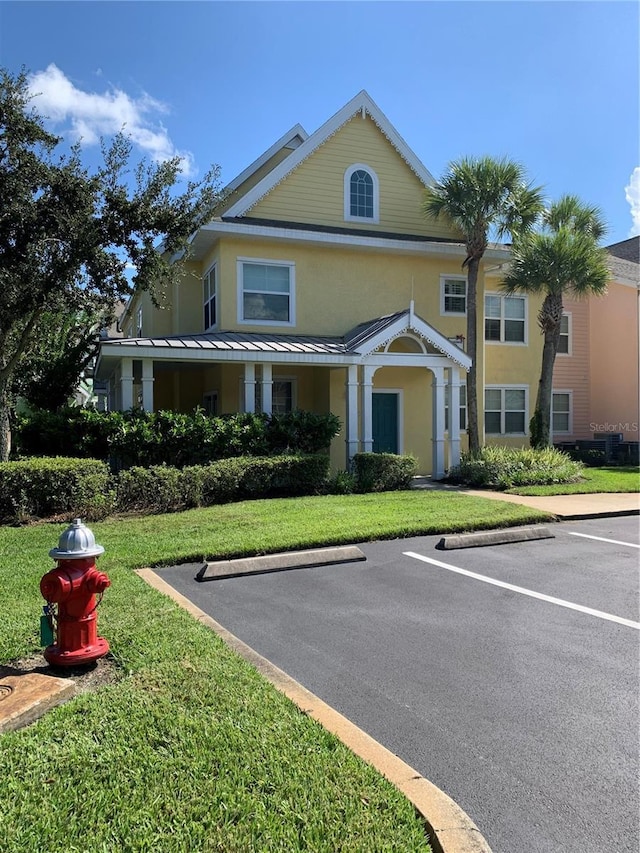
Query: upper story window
x: 266, y: 292
x: 453, y: 294
x: 505, y: 318
x: 139, y: 323
x: 361, y: 195
x: 210, y: 295
x: 564, y: 344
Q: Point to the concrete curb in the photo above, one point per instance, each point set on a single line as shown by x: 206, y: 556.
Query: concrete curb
x: 280, y: 562
x: 451, y: 830
x: 493, y: 537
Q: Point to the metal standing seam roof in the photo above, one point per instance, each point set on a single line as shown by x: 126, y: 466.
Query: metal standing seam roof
x: 250, y: 342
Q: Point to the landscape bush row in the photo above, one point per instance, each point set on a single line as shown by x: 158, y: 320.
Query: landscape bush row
x: 86, y: 488
x: 142, y: 438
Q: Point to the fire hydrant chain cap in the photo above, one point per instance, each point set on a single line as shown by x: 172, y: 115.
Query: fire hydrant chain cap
x: 76, y: 543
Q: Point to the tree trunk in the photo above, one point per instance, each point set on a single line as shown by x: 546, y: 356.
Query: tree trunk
x: 5, y: 424
x: 472, y: 352
x: 549, y: 321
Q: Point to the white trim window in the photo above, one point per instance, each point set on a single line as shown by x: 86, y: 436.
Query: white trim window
x: 505, y: 410
x: 139, y: 323
x: 463, y: 407
x: 361, y: 194
x: 564, y: 344
x: 505, y: 319
x: 561, y: 412
x: 284, y: 393
x: 453, y: 294
x: 210, y: 403
x: 209, y: 295
x: 266, y: 292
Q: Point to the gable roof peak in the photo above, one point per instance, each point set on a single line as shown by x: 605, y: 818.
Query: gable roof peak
x: 361, y: 102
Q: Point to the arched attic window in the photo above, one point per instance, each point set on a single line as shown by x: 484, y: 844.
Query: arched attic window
x: 361, y: 197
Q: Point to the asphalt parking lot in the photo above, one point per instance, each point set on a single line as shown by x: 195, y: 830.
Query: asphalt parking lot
x: 507, y: 675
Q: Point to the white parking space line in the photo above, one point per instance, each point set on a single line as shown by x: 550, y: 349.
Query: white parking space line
x: 531, y: 593
x: 602, y: 539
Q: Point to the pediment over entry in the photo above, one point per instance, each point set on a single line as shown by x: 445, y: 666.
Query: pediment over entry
x: 375, y: 334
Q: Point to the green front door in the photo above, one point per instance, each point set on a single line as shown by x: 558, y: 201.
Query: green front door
x: 385, y: 423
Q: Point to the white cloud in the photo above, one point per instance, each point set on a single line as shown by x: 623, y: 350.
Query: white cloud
x: 632, y: 194
x: 92, y: 115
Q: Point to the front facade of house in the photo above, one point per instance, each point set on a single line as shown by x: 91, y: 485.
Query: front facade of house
x: 319, y: 285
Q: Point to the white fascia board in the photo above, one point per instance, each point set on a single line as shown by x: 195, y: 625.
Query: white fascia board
x: 405, y: 323
x: 285, y: 139
x: 220, y: 229
x: 361, y: 102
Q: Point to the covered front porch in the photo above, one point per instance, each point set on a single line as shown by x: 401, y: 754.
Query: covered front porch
x: 394, y: 382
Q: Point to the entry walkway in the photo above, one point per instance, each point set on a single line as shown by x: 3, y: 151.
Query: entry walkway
x: 567, y: 507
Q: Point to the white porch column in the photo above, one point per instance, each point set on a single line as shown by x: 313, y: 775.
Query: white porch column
x: 454, y: 416
x: 126, y: 384
x: 352, y: 412
x: 367, y: 408
x: 249, y: 387
x: 438, y: 423
x: 147, y: 384
x: 267, y: 389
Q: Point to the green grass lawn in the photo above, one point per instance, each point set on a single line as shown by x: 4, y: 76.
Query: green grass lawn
x: 191, y: 750
x: 593, y: 480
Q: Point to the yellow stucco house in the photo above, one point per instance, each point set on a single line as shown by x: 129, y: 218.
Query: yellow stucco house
x: 319, y: 285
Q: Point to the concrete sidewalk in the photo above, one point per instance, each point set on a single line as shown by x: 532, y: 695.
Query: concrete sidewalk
x: 598, y: 505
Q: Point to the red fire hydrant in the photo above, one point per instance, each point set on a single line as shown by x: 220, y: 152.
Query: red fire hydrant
x: 73, y: 586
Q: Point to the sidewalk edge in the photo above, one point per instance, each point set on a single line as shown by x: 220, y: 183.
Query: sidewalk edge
x: 451, y: 830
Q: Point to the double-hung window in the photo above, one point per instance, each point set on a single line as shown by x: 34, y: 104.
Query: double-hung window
x: 361, y: 194
x: 266, y: 292
x: 139, y: 323
x: 564, y: 344
x: 463, y: 407
x: 505, y: 411
x: 453, y: 294
x: 561, y: 412
x: 505, y: 318
x: 209, y: 295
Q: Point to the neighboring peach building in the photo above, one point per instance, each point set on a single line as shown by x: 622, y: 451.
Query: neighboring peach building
x: 596, y: 375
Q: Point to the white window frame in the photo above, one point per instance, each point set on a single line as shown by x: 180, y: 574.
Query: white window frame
x: 569, y: 393
x: 502, y: 389
x: 210, y: 401
x: 502, y: 342
x: 213, y: 269
x: 240, y: 262
x: 444, y: 277
x: 355, y: 167
x: 569, y: 335
x: 139, y: 322
x: 258, y: 396
x: 461, y: 408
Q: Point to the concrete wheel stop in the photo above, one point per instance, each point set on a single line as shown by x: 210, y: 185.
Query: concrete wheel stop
x: 493, y: 537
x: 278, y: 562
x: 26, y: 696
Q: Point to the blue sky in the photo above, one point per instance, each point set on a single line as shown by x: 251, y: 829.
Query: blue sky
x: 551, y: 84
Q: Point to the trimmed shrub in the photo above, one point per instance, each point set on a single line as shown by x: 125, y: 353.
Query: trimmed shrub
x: 45, y: 487
x: 383, y: 472
x: 138, y: 438
x: 506, y: 467
x: 164, y: 489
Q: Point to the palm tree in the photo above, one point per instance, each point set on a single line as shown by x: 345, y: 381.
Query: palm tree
x: 562, y: 258
x: 479, y: 197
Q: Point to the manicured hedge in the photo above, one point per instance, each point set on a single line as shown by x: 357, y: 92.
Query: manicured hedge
x: 382, y: 472
x: 46, y: 487
x: 170, y: 438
